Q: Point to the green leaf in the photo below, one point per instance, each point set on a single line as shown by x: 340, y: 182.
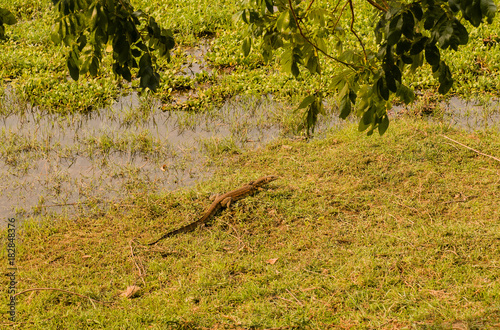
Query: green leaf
x: 406, y: 59
x: 416, y: 9
x: 82, y: 41
x: 321, y: 44
x: 270, y: 6
x: 378, y: 31
x: 153, y: 82
x: 135, y: 52
x: 306, y: 102
x: 418, y: 61
x: 94, y: 16
x: 461, y: 32
x: 289, y: 60
x: 432, y: 55
x: 405, y: 94
x: 111, y: 6
x: 384, y: 124
x: 367, y: 118
x: 396, y: 73
x: 345, y: 90
x: 339, y: 81
x: 345, y: 107
x: 149, y: 78
x: 246, y: 46
x: 6, y: 17
x: 137, y: 13
x: 283, y: 21
x: 145, y: 62
x: 352, y: 96
x: 473, y: 13
x: 391, y: 81
x: 395, y: 30
x: 126, y: 74
x: 314, y: 109
x: 246, y: 16
x: 408, y: 24
x: 445, y: 33
x: 418, y: 46
x: 276, y: 41
x: 452, y: 34
x: 120, y: 43
x: 382, y: 89
x: 295, y: 69
x: 74, y: 71
x: 433, y: 15
x: 266, y: 55
x: 362, y: 126
x: 489, y: 9
x: 403, y: 46
x: 313, y: 65
x: 55, y: 36
x: 94, y: 66
x: 454, y: 5
x: 445, y: 78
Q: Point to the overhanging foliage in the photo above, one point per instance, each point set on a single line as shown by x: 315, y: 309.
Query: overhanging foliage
x: 406, y: 34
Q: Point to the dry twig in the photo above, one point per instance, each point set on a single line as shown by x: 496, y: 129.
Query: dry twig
x: 141, y: 273
x: 476, y: 151
x: 294, y: 297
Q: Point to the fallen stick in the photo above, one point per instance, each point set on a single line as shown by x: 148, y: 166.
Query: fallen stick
x: 55, y: 205
x: 478, y: 152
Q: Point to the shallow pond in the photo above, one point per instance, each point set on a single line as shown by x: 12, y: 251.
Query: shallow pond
x: 53, y: 164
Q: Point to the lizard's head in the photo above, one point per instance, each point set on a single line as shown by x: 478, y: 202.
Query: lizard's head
x: 264, y: 180
x: 272, y: 178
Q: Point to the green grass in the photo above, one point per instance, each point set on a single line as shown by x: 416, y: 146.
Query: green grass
x: 391, y: 232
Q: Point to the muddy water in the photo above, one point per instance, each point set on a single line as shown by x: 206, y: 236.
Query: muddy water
x: 51, y: 164
x: 472, y: 115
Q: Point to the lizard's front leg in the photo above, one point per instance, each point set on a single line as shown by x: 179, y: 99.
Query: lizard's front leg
x: 226, y: 202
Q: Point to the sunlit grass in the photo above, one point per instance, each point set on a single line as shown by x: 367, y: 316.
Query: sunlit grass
x: 399, y: 231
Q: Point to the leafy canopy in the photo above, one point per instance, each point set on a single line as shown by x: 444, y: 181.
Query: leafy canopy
x: 407, y: 35
x: 87, y: 26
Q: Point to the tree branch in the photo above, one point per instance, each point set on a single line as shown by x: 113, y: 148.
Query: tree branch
x: 379, y: 7
x: 310, y: 4
x: 312, y: 44
x: 336, y: 6
x: 340, y: 15
x: 354, y: 32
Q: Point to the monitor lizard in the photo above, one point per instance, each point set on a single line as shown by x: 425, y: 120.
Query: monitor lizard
x: 221, y: 201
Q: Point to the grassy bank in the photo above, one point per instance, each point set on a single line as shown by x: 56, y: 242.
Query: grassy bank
x: 391, y: 232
